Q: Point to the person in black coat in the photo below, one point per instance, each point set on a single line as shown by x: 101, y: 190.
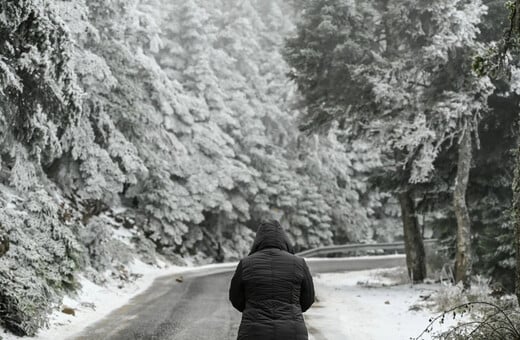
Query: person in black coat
x: 272, y: 287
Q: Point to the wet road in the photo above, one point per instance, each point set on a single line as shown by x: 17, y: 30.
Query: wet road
x: 197, y: 308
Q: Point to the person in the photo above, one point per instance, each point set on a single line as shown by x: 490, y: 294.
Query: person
x: 272, y: 287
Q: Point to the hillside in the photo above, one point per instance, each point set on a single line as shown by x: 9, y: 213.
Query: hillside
x: 159, y: 128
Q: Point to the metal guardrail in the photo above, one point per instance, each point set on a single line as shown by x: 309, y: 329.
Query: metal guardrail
x: 321, y: 251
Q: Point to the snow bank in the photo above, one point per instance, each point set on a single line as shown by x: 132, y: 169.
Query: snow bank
x: 368, y: 305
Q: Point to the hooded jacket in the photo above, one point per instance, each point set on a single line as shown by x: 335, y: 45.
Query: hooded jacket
x: 272, y: 288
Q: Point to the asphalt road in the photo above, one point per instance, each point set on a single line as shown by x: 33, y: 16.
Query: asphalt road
x: 197, y: 308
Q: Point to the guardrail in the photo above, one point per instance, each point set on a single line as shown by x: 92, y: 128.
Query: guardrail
x: 346, y: 248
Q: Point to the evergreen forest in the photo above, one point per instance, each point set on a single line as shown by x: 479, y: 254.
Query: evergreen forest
x: 168, y: 129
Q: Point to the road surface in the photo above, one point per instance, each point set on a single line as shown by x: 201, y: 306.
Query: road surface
x: 197, y: 308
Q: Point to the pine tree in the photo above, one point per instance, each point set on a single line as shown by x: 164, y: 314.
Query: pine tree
x: 346, y: 72
x: 40, y: 102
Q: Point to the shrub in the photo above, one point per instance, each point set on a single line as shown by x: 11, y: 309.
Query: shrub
x: 496, y: 321
x: 478, y: 314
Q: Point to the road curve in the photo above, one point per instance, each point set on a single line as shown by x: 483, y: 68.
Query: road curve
x: 197, y: 308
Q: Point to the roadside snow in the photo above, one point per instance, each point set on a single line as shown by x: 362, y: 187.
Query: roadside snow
x: 368, y: 305
x: 94, y: 302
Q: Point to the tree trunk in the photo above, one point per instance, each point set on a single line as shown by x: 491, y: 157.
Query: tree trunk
x: 516, y: 23
x: 4, y: 243
x: 463, y: 255
x: 516, y: 219
x: 414, y: 247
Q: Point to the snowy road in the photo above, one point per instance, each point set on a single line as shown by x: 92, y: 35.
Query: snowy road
x: 197, y: 308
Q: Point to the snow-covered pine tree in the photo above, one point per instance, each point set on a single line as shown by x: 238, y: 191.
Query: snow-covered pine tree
x: 40, y: 102
x: 368, y: 64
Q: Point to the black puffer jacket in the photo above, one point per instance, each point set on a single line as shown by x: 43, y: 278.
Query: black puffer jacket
x: 272, y: 287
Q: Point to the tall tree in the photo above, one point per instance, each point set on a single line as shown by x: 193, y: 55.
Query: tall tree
x: 503, y: 58
x: 40, y: 102
x: 463, y: 254
x: 366, y: 64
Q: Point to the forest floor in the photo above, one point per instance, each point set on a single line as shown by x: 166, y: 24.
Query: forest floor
x: 370, y: 305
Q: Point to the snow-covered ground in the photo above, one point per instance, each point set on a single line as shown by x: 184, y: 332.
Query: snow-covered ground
x: 94, y: 302
x: 368, y: 305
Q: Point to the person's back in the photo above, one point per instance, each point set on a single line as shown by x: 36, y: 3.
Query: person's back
x: 272, y: 287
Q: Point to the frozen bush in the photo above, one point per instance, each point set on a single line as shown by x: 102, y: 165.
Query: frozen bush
x: 102, y: 250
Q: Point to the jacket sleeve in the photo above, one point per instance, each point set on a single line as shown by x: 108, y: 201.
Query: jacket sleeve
x: 236, y: 290
x: 307, y: 289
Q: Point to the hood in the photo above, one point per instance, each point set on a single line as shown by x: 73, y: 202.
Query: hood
x: 271, y: 235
